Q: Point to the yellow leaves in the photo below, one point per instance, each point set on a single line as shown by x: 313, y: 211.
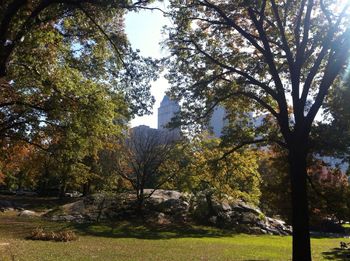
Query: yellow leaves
x: 200, y: 165
x: 2, y: 175
x: 20, y: 161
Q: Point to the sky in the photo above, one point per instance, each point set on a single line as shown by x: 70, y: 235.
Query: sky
x: 144, y: 33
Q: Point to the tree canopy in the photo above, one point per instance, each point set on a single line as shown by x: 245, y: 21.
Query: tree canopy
x: 69, y: 81
x: 201, y: 165
x: 50, y: 47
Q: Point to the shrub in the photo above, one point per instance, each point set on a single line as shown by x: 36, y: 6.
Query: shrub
x: 62, y: 236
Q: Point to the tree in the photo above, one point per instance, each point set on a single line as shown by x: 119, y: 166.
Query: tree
x: 281, y: 55
x: 140, y: 158
x: 329, y: 195
x: 82, y: 133
x: 202, y: 165
x: 337, y: 126
x: 328, y: 188
x: 17, y: 166
x: 68, y: 79
x: 47, y: 44
x: 72, y: 137
x: 18, y: 18
x: 332, y: 153
x: 275, y: 184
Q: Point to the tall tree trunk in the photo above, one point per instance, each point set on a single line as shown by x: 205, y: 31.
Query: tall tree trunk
x: 140, y: 202
x: 86, y: 188
x: 300, y: 216
x: 63, y: 189
x: 208, y: 197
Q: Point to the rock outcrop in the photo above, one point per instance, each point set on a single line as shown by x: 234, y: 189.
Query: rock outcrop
x: 166, y: 206
x: 28, y: 214
x: 6, y: 205
x: 237, y: 215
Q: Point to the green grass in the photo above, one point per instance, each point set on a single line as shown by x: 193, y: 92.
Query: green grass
x: 125, y: 241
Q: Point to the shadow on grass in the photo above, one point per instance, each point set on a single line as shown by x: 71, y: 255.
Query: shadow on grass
x: 149, y: 231
x: 337, y: 254
x: 21, y: 227
x: 37, y: 203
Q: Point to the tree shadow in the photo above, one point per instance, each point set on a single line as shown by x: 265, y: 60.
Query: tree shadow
x: 149, y: 231
x: 21, y: 227
x: 37, y: 203
x: 337, y: 254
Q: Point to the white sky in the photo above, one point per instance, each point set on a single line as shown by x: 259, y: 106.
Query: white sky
x: 144, y: 32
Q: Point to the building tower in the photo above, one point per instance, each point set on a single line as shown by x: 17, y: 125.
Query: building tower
x: 166, y: 112
x: 217, y: 121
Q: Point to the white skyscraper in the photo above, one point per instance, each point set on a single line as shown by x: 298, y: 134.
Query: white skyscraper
x: 167, y: 111
x: 169, y: 108
x: 217, y: 121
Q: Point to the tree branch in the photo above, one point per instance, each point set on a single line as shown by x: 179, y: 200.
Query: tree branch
x: 245, y: 143
x: 234, y: 25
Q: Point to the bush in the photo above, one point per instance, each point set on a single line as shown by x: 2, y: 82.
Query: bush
x: 62, y: 236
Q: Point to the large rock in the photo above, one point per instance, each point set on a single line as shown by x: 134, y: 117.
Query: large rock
x: 163, y: 194
x: 169, y: 206
x: 166, y: 206
x: 28, y: 214
x: 237, y: 215
x: 6, y: 205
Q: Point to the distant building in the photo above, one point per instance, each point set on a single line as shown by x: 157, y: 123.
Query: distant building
x: 167, y: 110
x: 218, y: 121
x: 162, y: 136
x: 144, y: 129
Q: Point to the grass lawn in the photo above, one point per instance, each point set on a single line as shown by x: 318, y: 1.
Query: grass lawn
x: 125, y: 241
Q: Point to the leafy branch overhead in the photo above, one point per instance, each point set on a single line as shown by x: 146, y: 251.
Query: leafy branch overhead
x: 278, y: 54
x: 46, y: 47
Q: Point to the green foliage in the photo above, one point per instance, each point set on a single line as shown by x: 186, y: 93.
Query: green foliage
x: 330, y: 191
x: 81, y: 116
x: 275, y: 184
x: 328, y: 188
x: 202, y: 165
x: 337, y: 126
x: 64, y: 49
x: 69, y: 84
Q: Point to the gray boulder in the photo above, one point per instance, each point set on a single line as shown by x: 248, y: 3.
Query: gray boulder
x: 163, y: 194
x: 167, y: 206
x: 237, y: 215
x: 6, y: 205
x: 28, y: 214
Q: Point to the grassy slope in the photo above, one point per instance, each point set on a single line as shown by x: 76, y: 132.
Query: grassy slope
x: 124, y: 241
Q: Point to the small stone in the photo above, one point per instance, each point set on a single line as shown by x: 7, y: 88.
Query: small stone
x: 213, y: 220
